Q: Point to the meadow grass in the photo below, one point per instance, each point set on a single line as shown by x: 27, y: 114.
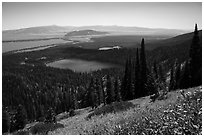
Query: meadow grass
x: 177, y: 114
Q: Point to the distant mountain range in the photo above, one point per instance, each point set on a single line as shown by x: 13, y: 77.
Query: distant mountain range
x: 60, y: 31
x: 85, y: 33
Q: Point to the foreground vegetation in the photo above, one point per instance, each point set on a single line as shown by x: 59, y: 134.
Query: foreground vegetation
x: 179, y: 114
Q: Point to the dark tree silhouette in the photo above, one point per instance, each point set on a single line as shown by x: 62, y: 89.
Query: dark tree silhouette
x: 185, y: 81
x: 90, y: 93
x: 110, y: 91
x: 177, y: 76
x: 172, y: 80
x: 5, y: 121
x: 50, y: 116
x: 117, y: 90
x: 143, y: 68
x: 137, y: 76
x: 127, y: 85
x: 103, y: 84
x: 125, y: 80
x: 161, y: 74
x: 155, y: 70
x: 20, y: 117
x: 99, y: 91
x: 151, y: 85
x: 129, y: 91
x: 195, y: 55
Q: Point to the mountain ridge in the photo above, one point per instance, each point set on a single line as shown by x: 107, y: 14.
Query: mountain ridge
x: 95, y: 27
x: 85, y: 33
x: 54, y: 31
x: 177, y: 40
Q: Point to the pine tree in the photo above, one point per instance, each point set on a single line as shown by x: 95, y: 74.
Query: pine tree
x: 5, y: 121
x: 151, y: 85
x: 91, y: 92
x: 185, y: 81
x: 137, y: 76
x: 177, y: 76
x: 117, y: 90
x: 129, y: 91
x: 155, y: 70
x: 172, y: 80
x: 12, y: 115
x: 143, y: 68
x: 73, y: 99
x: 161, y: 74
x: 99, y: 92
x: 75, y: 102
x: 104, y: 81
x: 196, y: 59
x: 125, y: 80
x: 127, y: 83
x: 110, y: 91
x: 20, y: 117
x: 50, y: 116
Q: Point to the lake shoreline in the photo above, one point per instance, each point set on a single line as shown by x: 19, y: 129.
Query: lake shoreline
x: 79, y: 65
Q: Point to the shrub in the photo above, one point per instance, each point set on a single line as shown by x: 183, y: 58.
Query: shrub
x: 72, y: 113
x: 112, y: 108
x: 21, y: 132
x: 5, y: 121
x: 18, y: 118
x: 43, y: 128
x: 50, y: 117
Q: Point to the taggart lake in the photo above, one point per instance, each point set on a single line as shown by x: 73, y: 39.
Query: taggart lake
x: 79, y: 65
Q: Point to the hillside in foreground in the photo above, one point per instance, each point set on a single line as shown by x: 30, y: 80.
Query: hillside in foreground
x: 180, y: 113
x: 175, y: 115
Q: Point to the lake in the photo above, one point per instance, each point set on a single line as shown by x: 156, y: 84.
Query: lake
x: 79, y: 65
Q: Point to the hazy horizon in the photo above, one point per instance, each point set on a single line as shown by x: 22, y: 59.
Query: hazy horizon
x: 99, y: 25
x: 168, y: 15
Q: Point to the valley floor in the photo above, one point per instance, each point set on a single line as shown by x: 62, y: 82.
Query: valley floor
x: 178, y: 114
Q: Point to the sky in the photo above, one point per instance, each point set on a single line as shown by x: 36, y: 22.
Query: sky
x: 173, y: 15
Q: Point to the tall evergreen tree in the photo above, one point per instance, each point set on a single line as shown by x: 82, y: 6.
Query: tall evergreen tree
x: 20, y: 117
x: 161, y: 74
x: 103, y: 84
x: 110, y: 91
x: 155, y: 70
x: 99, y: 96
x: 196, y: 59
x: 75, y: 101
x: 117, y: 90
x: 5, y: 121
x: 137, y: 76
x: 124, y: 81
x: 185, y: 81
x: 73, y: 98
x: 50, y: 116
x: 92, y: 93
x: 151, y: 85
x: 126, y: 89
x: 177, y: 76
x: 129, y: 91
x: 172, y: 80
x: 143, y: 68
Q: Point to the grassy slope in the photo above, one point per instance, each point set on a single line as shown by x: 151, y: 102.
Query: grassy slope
x: 175, y: 115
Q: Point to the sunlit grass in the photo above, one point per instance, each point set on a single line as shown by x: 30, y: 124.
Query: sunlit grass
x: 176, y: 115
